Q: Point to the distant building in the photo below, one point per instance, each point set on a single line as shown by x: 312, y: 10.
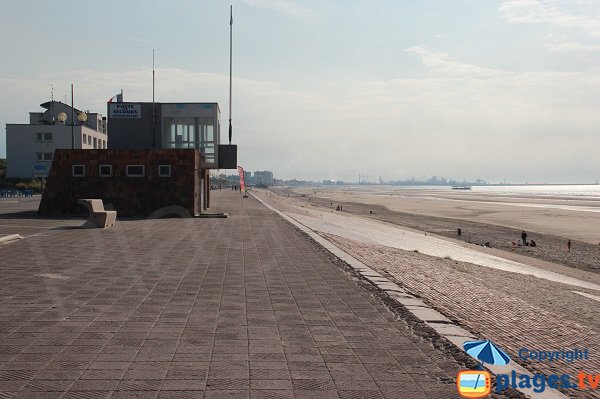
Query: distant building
x: 248, y: 178
x: 31, y: 146
x: 264, y: 178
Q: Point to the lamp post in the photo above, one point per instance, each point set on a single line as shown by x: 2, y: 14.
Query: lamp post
x: 82, y: 117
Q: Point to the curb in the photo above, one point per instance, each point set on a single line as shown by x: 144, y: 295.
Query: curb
x: 431, y: 317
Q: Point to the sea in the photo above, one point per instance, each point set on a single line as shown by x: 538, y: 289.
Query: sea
x: 567, y: 190
x: 584, y: 191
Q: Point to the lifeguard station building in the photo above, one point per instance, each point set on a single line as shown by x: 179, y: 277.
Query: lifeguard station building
x: 149, y: 163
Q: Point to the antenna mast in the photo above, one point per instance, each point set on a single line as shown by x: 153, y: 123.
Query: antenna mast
x: 230, y: 63
x: 52, y: 101
x: 153, y: 115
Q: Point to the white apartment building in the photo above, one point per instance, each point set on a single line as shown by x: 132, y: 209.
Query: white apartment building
x: 31, y: 146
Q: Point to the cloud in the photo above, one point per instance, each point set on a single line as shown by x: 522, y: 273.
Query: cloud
x: 571, y: 47
x: 549, y: 12
x: 266, y: 122
x: 287, y: 7
x: 455, y: 119
x: 442, y: 63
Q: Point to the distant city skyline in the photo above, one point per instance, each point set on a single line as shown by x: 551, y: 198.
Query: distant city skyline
x: 329, y: 90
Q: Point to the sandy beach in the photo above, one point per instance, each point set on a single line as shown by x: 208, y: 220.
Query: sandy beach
x: 482, y: 218
x: 568, y: 216
x: 542, y: 297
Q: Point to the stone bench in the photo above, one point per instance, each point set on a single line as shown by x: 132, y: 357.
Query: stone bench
x: 99, y: 218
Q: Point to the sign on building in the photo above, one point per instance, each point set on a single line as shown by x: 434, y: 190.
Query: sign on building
x: 125, y: 111
x: 41, y: 170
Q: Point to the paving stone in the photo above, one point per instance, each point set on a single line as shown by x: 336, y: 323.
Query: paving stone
x: 243, y: 307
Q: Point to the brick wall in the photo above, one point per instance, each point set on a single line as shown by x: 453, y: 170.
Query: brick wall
x: 129, y: 196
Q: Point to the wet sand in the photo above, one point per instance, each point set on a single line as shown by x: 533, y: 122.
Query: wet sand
x: 570, y: 217
x: 482, y: 219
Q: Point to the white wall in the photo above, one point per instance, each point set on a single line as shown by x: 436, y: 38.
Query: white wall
x: 22, y: 145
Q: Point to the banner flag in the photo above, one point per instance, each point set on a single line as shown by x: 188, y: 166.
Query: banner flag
x: 118, y: 98
x: 242, y: 181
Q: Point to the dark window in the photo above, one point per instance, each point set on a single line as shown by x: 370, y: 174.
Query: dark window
x: 164, y: 170
x: 135, y: 170
x: 78, y: 170
x: 43, y: 136
x: 44, y: 156
x: 105, y: 170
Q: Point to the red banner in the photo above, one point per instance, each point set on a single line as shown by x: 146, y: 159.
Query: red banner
x: 242, y: 181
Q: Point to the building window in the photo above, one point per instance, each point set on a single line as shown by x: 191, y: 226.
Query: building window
x: 95, y: 142
x: 84, y: 138
x: 89, y: 139
x: 135, y: 170
x: 164, y: 170
x: 44, y: 156
x: 78, y: 170
x: 105, y: 170
x: 43, y: 136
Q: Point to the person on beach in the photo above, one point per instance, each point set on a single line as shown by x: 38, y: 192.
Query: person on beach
x: 524, y: 237
x: 569, y: 246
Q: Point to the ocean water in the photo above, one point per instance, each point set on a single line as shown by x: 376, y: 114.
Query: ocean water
x: 589, y: 190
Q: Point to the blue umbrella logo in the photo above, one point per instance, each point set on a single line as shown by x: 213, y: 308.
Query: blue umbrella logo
x: 486, y: 352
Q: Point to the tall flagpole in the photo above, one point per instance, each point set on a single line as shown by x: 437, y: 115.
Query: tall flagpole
x: 152, y: 76
x: 230, y: 63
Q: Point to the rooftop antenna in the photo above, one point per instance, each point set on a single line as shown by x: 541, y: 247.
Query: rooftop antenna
x: 153, y: 117
x: 230, y: 64
x: 72, y: 119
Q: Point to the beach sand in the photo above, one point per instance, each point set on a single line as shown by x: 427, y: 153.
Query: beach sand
x: 482, y: 219
x: 489, y: 291
x: 570, y: 217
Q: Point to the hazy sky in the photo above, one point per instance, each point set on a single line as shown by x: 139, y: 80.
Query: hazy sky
x: 330, y: 89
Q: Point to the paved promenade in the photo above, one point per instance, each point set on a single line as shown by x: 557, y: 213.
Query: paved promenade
x: 244, y: 307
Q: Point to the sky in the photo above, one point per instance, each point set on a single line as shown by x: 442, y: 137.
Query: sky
x: 467, y: 89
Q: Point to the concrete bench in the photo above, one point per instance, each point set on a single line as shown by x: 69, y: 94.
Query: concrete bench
x: 99, y: 218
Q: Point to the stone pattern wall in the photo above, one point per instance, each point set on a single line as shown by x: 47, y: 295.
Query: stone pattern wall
x: 129, y: 196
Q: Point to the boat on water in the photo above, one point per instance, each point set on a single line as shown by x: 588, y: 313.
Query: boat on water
x: 461, y: 187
